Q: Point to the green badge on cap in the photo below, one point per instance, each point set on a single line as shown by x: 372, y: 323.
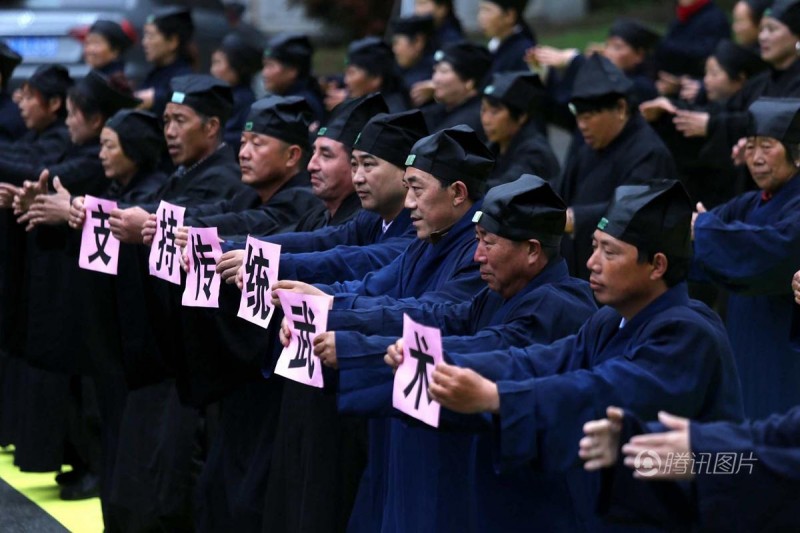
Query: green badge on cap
x: 150, y: 19
x: 477, y: 217
x: 572, y: 108
x: 357, y: 138
x: 321, y: 131
x: 178, y: 97
x: 602, y: 224
x: 267, y: 52
x: 410, y: 160
x: 489, y: 89
x: 438, y: 56
x: 248, y: 126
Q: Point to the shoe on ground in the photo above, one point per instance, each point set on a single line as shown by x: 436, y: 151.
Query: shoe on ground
x: 87, y: 487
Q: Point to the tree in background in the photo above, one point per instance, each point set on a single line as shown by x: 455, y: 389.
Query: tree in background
x: 356, y: 18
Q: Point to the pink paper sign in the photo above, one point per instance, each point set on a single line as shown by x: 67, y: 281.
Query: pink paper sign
x: 259, y: 273
x: 99, y: 248
x: 422, y: 350
x: 164, y: 255
x: 202, y: 281
x: 307, y: 317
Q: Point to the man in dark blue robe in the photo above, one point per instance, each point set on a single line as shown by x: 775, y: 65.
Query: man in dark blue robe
x: 535, y: 303
x: 12, y: 127
x: 445, y: 175
x: 720, y: 476
x: 619, y: 148
x: 649, y: 348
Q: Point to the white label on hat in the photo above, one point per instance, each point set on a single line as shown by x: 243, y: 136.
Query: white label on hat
x: 477, y: 217
x: 178, y: 97
x: 410, y: 159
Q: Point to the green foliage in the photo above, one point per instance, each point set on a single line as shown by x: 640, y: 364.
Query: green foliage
x: 354, y: 18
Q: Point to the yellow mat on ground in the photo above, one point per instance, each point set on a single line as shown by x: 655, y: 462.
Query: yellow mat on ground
x: 82, y: 516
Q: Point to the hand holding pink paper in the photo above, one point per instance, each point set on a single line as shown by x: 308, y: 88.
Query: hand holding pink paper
x: 307, y: 317
x: 259, y: 273
x: 163, y: 252
x: 202, y: 281
x: 422, y: 350
x: 99, y: 248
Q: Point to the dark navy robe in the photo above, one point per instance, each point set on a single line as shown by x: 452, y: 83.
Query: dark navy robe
x: 752, y: 248
x: 112, y: 67
x: 528, y: 153
x: 279, y: 214
x: 159, y: 78
x: 159, y: 455
x: 438, y: 117
x: 686, y: 45
x: 760, y: 492
x: 26, y: 158
x: 306, y: 476
x: 12, y: 127
x: 450, y: 31
x: 673, y: 355
x: 729, y: 125
x: 635, y: 156
x: 243, y: 98
x: 309, y: 89
x: 422, y: 70
x: 510, y: 53
x: 549, y: 307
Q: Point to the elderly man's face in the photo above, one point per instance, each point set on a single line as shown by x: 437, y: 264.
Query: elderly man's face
x: 503, y: 263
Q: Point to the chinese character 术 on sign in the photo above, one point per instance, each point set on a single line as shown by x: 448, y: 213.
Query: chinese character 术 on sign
x: 99, y: 248
x: 422, y: 350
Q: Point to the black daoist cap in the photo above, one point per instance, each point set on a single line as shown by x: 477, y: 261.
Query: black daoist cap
x: 778, y: 118
x: 9, y: 60
x: 283, y: 117
x: 470, y: 61
x: 113, y: 33
x: 109, y: 99
x: 454, y: 154
x: 522, y: 91
x: 413, y: 25
x: 736, y: 60
x: 391, y: 136
x: 292, y: 49
x: 372, y: 54
x: 635, y: 33
x: 173, y: 20
x: 350, y: 117
x: 526, y: 208
x: 787, y: 12
x: 598, y: 85
x: 656, y: 218
x: 51, y: 80
x: 205, y: 94
x: 140, y: 136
